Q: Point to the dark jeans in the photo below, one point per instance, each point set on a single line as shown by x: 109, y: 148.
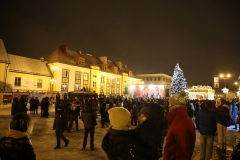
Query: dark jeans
x: 87, y: 130
x: 73, y: 117
x: 59, y: 134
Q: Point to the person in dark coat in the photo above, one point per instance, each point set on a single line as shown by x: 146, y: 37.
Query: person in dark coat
x: 102, y: 111
x: 31, y: 105
x: 59, y: 125
x: 15, y: 106
x: 74, y: 112
x: 134, y: 115
x: 22, y: 105
x: 206, y: 124
x: 36, y: 104
x: 16, y: 145
x: 89, y: 120
x: 119, y: 142
x: 149, y: 131
x: 46, y: 104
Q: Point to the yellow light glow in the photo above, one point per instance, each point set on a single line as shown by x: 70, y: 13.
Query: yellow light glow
x: 54, y: 68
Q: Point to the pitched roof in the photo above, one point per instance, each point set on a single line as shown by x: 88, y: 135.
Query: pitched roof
x: 3, y: 54
x: 64, y: 55
x: 28, y: 65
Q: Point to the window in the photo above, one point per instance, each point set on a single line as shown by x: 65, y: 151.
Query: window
x: 77, y: 75
x: 85, y: 80
x: 65, y: 79
x: 147, y: 79
x: 17, y: 81
x: 39, y: 83
x: 150, y: 78
x: 155, y: 79
x: 159, y: 79
x: 65, y: 73
x: 102, y: 84
x: 85, y: 76
x: 94, y: 76
x: 64, y: 87
x: 94, y: 84
x: 81, y: 63
x: 77, y: 86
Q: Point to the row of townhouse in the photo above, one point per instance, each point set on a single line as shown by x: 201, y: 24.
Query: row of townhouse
x: 65, y: 70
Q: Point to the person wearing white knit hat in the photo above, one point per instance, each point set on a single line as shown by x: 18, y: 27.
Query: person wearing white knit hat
x: 118, y: 143
x: 119, y: 118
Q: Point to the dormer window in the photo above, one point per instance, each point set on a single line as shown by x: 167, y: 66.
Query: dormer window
x: 81, y: 63
x: 104, y: 68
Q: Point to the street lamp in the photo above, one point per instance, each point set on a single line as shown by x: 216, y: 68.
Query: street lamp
x: 225, y: 77
x: 52, y: 81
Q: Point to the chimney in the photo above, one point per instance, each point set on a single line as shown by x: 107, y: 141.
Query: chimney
x: 63, y: 48
x: 42, y: 59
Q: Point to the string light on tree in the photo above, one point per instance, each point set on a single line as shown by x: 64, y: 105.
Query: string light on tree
x: 178, y: 81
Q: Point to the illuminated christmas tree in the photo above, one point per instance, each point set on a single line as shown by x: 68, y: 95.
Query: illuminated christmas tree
x: 178, y: 81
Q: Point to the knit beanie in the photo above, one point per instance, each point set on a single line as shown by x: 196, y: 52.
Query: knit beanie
x: 145, y: 111
x: 119, y: 118
x: 177, y: 100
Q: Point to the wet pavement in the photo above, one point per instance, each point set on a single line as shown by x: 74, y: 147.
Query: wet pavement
x: 43, y: 139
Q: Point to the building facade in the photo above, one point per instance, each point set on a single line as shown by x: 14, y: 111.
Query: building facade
x: 63, y: 71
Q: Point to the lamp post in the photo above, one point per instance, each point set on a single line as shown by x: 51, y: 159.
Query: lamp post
x: 225, y: 89
x: 52, y: 81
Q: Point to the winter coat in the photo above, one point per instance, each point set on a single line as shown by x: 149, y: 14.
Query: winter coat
x: 16, y: 149
x: 223, y: 110
x: 206, y: 122
x: 22, y: 105
x: 135, y: 112
x: 60, y: 121
x: 32, y: 103
x: 36, y: 103
x: 149, y: 133
x: 89, y: 117
x: 119, y: 145
x: 14, y: 106
x: 148, y: 136
x: 74, y: 109
x: 181, y: 135
x: 234, y: 114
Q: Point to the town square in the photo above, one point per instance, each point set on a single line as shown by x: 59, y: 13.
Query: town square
x: 129, y: 79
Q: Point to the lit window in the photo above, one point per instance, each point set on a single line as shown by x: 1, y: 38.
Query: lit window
x: 17, y: 81
x: 39, y: 83
x: 65, y: 73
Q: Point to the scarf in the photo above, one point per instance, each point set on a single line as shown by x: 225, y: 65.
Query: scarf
x: 16, y: 134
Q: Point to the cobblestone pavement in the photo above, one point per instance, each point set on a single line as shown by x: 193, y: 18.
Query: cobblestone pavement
x: 43, y: 139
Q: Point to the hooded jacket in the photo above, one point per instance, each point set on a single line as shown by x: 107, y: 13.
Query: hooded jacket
x: 181, y: 135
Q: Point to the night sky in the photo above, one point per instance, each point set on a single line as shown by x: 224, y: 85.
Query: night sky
x: 150, y: 36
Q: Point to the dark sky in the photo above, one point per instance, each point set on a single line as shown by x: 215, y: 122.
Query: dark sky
x: 150, y: 36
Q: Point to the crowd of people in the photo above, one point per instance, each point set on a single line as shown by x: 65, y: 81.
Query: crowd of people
x: 137, y: 128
